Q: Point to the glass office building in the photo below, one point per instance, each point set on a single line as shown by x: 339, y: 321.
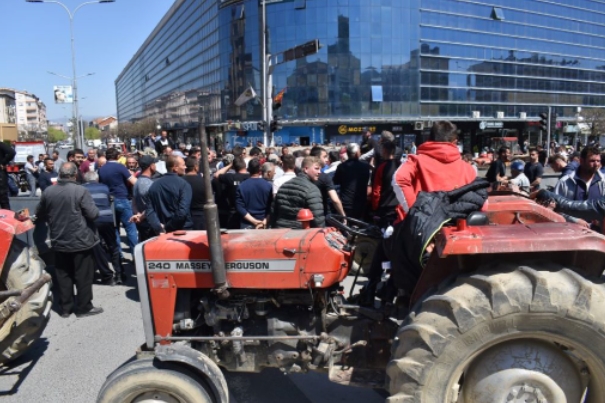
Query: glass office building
x: 392, y: 65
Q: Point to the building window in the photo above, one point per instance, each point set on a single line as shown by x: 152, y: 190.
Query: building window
x: 497, y: 14
x: 377, y: 93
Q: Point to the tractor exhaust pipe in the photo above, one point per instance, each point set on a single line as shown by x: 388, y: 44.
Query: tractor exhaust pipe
x: 213, y: 230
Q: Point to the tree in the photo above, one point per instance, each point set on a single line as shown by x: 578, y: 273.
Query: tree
x: 55, y: 135
x: 139, y: 129
x: 595, y: 118
x: 92, y: 133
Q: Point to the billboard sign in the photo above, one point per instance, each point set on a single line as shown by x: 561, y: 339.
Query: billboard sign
x: 63, y: 94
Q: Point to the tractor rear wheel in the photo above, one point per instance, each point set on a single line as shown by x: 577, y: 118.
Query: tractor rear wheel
x: 25, y: 326
x: 152, y: 381
x: 510, y: 334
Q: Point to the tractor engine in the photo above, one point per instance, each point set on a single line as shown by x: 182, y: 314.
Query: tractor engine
x: 284, y: 307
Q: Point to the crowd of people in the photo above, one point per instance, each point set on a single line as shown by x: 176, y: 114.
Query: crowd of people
x: 161, y: 190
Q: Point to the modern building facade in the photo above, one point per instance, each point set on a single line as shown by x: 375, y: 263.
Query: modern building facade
x: 490, y: 66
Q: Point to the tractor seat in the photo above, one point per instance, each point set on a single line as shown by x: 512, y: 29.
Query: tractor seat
x: 477, y: 218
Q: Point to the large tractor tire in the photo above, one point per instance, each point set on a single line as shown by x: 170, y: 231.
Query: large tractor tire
x: 24, y: 327
x: 510, y: 334
x: 154, y: 381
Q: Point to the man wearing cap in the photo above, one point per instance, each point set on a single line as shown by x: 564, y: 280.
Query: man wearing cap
x: 518, y: 177
x: 170, y: 199
x: 140, y: 199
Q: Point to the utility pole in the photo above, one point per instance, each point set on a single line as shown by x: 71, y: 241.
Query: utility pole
x: 79, y: 140
x: 294, y: 53
x: 266, y: 79
x: 548, y: 133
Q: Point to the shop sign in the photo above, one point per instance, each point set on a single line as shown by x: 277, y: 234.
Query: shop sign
x: 490, y: 125
x: 345, y: 129
x: 242, y: 126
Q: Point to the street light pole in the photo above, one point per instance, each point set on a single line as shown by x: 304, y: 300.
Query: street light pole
x: 266, y: 113
x: 75, y: 113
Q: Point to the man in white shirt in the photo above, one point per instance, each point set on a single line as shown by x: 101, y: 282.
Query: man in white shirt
x: 288, y: 165
x: 31, y: 170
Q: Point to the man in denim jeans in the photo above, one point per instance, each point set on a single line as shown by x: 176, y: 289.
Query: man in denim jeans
x: 117, y: 178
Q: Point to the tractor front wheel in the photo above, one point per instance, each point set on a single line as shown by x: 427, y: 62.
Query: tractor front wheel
x: 510, y: 334
x: 153, y: 381
x: 25, y: 326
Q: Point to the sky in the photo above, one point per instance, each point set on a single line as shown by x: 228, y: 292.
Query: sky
x: 36, y: 39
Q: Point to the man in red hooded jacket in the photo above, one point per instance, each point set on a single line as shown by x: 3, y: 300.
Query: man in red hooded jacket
x: 437, y: 166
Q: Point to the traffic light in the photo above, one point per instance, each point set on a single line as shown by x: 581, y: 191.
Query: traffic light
x: 553, y: 122
x: 303, y: 50
x: 544, y: 121
x: 275, y: 126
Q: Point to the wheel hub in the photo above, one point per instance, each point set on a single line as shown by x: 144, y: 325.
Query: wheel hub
x: 155, y: 397
x: 525, y: 394
x: 522, y: 371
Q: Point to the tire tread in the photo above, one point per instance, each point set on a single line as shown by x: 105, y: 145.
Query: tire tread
x: 505, y: 289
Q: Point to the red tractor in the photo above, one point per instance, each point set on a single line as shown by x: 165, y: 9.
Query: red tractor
x: 25, y: 297
x: 511, y: 310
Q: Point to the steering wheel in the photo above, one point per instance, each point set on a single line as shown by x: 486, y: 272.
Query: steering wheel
x: 354, y: 226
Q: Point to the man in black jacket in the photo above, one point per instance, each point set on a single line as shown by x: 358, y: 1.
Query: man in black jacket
x: 6, y: 156
x: 353, y: 176
x: 169, y: 198
x: 106, y: 228
x: 70, y: 213
x: 299, y: 193
x: 47, y: 174
x: 162, y: 142
x: 497, y: 169
x: 590, y: 212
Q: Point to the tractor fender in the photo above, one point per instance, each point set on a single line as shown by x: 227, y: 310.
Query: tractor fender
x: 200, y: 363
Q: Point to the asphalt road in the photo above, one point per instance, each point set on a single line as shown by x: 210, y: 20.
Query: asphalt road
x: 74, y: 356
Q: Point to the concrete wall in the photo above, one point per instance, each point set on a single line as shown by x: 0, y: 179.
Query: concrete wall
x: 8, y: 132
